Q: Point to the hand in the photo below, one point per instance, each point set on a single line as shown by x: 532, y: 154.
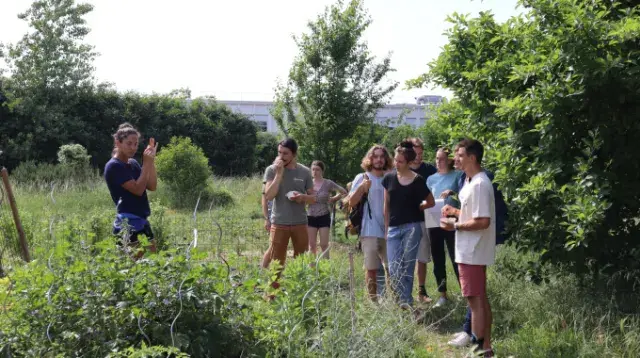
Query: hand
x: 447, y: 224
x: 149, y: 155
x: 267, y: 225
x: 366, y: 185
x: 298, y: 198
x: 279, y: 164
x: 449, y: 210
x: 445, y: 194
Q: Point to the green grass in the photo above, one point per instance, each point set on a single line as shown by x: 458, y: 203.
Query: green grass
x: 554, y: 319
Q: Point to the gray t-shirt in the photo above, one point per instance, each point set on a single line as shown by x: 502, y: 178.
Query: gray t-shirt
x: 285, y: 211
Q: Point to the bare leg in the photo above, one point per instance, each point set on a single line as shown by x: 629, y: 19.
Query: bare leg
x: 313, y: 239
x: 422, y: 273
x: 487, y: 325
x: 372, y: 285
x: 478, y: 320
x: 324, y: 241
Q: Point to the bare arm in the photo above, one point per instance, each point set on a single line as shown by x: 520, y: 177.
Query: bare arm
x: 150, y: 155
x: 308, y: 198
x: 475, y: 224
x: 341, y: 193
x: 265, y: 207
x: 429, y: 202
x: 137, y: 187
x: 386, y: 212
x: 152, y: 183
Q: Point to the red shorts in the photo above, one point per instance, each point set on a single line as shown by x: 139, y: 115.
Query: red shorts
x: 473, y: 280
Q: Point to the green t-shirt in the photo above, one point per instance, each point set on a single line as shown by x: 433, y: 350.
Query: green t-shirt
x: 285, y: 211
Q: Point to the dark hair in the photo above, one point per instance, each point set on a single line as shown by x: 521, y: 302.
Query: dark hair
x: 318, y: 164
x: 124, y: 130
x: 417, y: 142
x: 367, y: 161
x: 290, y: 144
x: 472, y: 147
x: 405, y: 148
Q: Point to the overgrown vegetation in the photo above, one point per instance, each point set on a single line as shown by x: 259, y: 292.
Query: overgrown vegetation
x: 549, y: 93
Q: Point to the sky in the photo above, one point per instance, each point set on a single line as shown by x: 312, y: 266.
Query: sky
x: 237, y: 50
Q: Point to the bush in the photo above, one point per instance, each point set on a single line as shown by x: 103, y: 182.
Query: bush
x: 183, y: 167
x: 217, y: 196
x: 73, y: 155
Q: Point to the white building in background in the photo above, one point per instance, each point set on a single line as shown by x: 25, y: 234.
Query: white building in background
x: 392, y: 115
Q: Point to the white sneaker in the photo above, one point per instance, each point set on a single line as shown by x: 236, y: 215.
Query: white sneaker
x: 460, y: 340
x: 441, y: 302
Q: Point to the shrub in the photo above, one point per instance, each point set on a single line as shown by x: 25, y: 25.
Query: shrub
x: 184, y: 168
x: 217, y: 196
x: 74, y: 155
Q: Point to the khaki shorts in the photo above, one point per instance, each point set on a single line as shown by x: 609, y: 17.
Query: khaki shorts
x: 375, y: 251
x: 280, y: 235
x: 424, y: 249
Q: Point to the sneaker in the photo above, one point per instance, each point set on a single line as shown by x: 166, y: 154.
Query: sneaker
x: 460, y: 340
x: 441, y: 302
x: 424, y: 299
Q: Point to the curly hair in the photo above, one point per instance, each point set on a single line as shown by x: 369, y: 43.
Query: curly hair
x: 367, y: 161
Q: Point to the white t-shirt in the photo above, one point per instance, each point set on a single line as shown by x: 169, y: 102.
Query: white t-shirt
x: 374, y: 226
x: 477, y: 201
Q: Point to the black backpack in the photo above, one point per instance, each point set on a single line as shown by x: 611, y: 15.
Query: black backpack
x: 356, y: 214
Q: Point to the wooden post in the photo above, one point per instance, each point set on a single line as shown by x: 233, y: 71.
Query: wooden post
x: 16, y: 217
x: 352, y: 293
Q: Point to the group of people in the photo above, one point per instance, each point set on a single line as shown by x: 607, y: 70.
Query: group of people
x: 393, y: 193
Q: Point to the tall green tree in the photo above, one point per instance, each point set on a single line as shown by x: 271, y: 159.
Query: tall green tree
x: 53, y: 55
x: 334, y: 89
x: 553, y: 94
x: 49, y: 68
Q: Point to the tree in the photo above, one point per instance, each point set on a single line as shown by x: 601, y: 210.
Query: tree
x: 48, y: 70
x: 53, y: 56
x: 334, y: 89
x: 553, y: 95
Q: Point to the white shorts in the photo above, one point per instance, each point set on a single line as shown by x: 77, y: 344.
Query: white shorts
x: 424, y: 249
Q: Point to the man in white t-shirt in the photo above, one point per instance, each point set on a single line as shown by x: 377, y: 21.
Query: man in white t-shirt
x: 475, y: 240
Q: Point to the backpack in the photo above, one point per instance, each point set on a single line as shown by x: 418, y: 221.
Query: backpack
x: 356, y: 214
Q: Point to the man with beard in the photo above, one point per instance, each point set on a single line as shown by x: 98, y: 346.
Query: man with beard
x: 290, y: 186
x: 376, y: 163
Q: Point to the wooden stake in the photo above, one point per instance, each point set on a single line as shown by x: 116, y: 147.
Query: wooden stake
x: 16, y: 217
x: 352, y: 289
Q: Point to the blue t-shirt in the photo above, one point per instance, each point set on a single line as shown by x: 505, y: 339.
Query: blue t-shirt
x: 117, y: 173
x: 438, y: 183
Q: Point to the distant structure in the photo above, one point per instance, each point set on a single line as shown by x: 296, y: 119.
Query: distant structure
x: 391, y: 115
